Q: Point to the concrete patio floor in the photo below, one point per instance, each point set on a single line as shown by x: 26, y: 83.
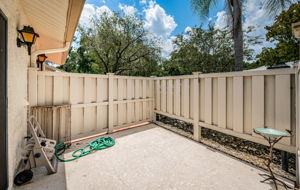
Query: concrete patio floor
x: 151, y: 157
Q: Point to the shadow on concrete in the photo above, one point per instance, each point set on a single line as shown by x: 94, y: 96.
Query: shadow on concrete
x: 115, y: 135
x: 42, y: 181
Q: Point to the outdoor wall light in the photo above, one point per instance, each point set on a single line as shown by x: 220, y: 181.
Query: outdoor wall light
x: 40, y: 60
x: 28, y: 37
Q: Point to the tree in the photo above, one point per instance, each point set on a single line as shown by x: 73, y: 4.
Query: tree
x: 79, y: 59
x: 287, y: 46
x: 121, y: 45
x: 204, y: 50
x: 115, y: 44
x: 234, y: 10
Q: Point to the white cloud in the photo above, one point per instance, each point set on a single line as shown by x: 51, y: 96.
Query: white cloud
x: 187, y: 29
x: 158, y: 21
x: 256, y: 15
x: 128, y: 10
x: 143, y: 2
x: 167, y: 46
x: 89, y: 10
x: 160, y: 24
x: 221, y: 20
x: 103, y: 9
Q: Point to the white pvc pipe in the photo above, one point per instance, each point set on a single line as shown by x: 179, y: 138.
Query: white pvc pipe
x: 45, y: 51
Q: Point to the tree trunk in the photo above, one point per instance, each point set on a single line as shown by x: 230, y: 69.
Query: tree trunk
x: 237, y: 33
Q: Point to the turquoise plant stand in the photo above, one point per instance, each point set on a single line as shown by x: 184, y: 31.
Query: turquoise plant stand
x: 272, y: 136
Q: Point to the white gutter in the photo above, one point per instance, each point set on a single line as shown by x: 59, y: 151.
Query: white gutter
x: 45, y: 51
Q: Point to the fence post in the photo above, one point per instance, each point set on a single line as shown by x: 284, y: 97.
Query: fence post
x: 110, y: 101
x: 197, y: 128
x: 297, y: 125
x: 153, y: 98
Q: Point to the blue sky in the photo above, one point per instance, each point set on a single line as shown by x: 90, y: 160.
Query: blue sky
x: 180, y: 10
x: 167, y: 18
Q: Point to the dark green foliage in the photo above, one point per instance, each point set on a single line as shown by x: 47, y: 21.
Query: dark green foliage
x: 114, y: 44
x: 287, y: 46
x: 205, y: 51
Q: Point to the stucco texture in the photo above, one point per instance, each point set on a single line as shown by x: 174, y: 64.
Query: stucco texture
x: 17, y: 64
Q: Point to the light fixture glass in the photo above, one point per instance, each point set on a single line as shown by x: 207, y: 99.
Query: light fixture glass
x: 28, y: 37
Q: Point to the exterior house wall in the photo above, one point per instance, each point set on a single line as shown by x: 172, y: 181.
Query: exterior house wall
x: 17, y: 64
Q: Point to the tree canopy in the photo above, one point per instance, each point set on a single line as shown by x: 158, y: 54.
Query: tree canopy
x: 234, y: 9
x: 120, y: 44
x: 286, y: 45
x: 116, y: 44
x: 205, y: 50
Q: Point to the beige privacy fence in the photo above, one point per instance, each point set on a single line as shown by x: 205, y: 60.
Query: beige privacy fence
x: 98, y: 103
x: 233, y: 103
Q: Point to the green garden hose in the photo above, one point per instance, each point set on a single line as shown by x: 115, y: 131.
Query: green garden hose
x: 98, y: 144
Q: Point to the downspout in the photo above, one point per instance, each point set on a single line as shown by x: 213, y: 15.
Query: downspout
x: 46, y: 51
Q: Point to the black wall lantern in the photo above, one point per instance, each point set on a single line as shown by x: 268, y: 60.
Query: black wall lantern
x: 40, y: 60
x: 28, y: 37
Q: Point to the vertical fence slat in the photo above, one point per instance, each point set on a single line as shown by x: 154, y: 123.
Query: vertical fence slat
x: 152, y: 95
x: 157, y: 97
x: 48, y: 90
x: 41, y: 90
x: 208, y: 100
x: 110, y: 102
x: 121, y: 110
x: 215, y: 101
x: 258, y: 102
x: 202, y: 99
x: 238, y: 104
x: 177, y: 97
x: 164, y: 96
x: 130, y: 107
x: 270, y: 101
x: 170, y: 96
x: 222, y: 102
x: 98, y: 114
x: 185, y: 99
x: 283, y: 104
x: 144, y: 95
x: 33, y: 87
x: 136, y: 104
x: 57, y: 100
x: 247, y: 114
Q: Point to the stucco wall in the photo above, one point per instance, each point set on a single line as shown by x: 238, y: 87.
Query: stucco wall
x: 18, y: 61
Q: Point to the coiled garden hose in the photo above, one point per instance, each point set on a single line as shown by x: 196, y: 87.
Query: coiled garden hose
x: 98, y: 144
